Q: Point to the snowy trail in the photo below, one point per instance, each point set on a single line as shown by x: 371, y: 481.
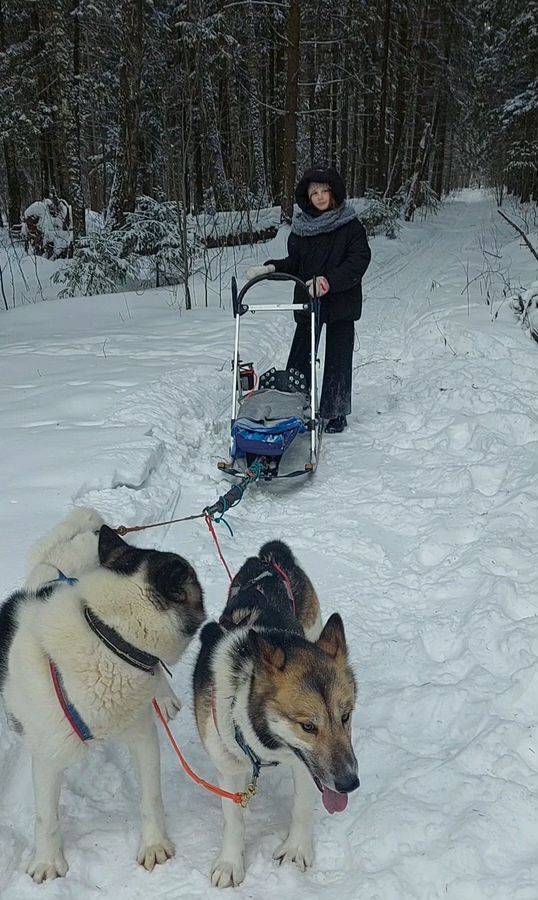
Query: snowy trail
x: 416, y: 528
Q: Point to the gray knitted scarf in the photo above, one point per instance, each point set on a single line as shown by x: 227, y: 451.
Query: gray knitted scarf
x: 307, y: 226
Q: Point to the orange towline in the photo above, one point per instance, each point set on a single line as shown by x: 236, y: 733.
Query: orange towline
x: 241, y: 798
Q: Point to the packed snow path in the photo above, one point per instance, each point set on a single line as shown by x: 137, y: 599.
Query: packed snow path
x: 419, y: 527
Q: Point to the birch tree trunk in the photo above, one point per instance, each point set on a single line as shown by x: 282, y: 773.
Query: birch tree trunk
x: 410, y: 203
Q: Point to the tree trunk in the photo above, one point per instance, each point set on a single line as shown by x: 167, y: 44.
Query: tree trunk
x: 382, y: 124
x: 321, y: 115
x: 220, y: 181
x: 239, y: 168
x: 256, y: 132
x: 442, y: 120
x: 289, y: 145
x: 123, y: 193
x: 14, y: 201
x: 410, y: 203
x: 394, y: 179
x: 63, y: 41
x: 70, y: 114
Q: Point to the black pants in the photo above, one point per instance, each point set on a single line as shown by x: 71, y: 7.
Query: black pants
x: 338, y: 368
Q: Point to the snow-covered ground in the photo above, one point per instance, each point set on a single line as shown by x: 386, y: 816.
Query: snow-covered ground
x: 420, y: 527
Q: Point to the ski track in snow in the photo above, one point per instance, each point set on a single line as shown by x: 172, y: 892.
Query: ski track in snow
x: 417, y: 528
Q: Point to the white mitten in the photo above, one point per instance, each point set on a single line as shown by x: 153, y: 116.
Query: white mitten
x: 254, y: 271
x: 322, y: 286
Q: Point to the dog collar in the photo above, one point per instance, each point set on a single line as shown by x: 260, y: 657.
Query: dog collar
x: 114, y: 641
x: 122, y: 648
x: 71, y: 713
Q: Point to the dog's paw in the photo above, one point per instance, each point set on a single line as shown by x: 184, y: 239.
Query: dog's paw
x: 151, y: 855
x: 41, y: 870
x: 228, y: 872
x: 299, y: 852
x: 170, y: 705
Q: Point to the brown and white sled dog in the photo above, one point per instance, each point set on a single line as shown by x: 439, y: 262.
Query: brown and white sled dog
x: 271, y: 686
x: 82, y: 661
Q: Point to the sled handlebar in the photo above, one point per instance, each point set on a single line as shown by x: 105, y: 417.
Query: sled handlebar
x: 237, y: 297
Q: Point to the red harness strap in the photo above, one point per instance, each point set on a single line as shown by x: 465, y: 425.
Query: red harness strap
x: 287, y: 584
x: 71, y: 714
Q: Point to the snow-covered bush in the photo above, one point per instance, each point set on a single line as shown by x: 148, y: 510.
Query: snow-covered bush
x: 379, y: 216
x: 47, y: 229
x: 98, y: 266
x: 160, y: 241
x: 525, y: 305
x: 157, y: 245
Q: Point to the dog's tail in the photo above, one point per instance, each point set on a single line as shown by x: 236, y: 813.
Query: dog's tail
x: 277, y: 552
x: 70, y: 547
x: 80, y: 520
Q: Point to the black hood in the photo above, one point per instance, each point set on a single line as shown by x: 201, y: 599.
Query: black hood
x: 323, y: 176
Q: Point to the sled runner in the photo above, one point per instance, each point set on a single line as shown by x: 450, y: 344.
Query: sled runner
x: 275, y: 422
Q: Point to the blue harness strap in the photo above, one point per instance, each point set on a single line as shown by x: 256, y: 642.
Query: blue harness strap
x: 62, y: 577
x: 71, y: 712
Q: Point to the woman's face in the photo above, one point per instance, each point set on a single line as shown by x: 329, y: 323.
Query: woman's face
x: 321, y: 197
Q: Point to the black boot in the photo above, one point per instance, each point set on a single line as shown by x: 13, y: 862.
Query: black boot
x: 336, y: 425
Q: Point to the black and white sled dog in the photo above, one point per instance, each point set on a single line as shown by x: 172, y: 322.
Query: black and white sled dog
x: 272, y: 686
x: 81, y: 647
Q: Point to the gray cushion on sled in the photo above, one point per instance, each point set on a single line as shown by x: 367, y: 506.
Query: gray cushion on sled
x: 270, y: 406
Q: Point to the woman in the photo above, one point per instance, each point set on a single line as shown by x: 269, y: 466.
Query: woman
x: 328, y: 249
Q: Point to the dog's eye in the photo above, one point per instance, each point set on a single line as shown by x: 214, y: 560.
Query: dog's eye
x: 309, y: 727
x: 345, y: 718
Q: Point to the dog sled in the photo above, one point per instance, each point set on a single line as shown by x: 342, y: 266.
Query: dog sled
x: 275, y: 424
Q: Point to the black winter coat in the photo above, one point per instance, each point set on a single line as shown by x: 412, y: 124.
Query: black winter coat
x: 342, y: 256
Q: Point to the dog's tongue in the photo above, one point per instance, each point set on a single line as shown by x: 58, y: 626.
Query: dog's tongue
x: 333, y: 801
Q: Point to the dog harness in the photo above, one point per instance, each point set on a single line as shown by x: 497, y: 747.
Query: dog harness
x: 114, y: 641
x: 71, y: 713
x: 62, y: 577
x: 255, y: 761
x: 273, y: 570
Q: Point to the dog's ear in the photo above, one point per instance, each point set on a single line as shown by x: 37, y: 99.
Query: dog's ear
x: 174, y: 579
x: 109, y: 542
x: 273, y: 658
x: 332, y: 639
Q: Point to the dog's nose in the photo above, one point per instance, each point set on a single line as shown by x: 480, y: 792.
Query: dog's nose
x: 347, y: 785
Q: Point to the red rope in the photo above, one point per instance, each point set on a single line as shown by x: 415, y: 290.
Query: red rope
x: 209, y: 523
